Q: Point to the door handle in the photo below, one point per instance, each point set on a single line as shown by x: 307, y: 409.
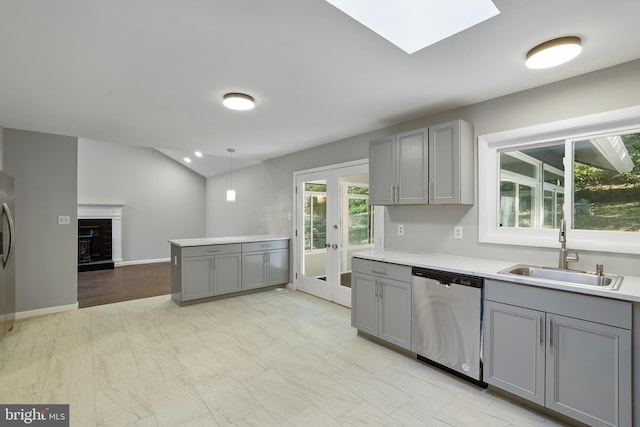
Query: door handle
x: 334, y: 246
x: 6, y: 211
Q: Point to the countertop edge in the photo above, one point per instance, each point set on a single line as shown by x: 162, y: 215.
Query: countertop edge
x: 206, y: 241
x: 629, y: 289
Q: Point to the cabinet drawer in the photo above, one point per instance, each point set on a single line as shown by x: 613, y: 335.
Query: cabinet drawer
x: 210, y: 250
x: 382, y: 269
x: 265, y: 246
x: 587, y: 307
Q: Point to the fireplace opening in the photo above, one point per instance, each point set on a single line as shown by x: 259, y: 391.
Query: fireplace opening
x: 94, y: 244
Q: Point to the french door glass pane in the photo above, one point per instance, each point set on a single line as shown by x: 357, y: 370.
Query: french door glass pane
x: 315, y: 229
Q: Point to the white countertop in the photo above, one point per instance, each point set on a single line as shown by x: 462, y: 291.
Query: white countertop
x: 629, y: 289
x: 205, y: 241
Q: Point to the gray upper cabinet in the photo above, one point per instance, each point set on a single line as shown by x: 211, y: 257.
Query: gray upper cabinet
x: 428, y: 165
x: 398, y: 169
x: 381, y: 304
x: 568, y: 352
x: 382, y: 171
x: 451, y: 168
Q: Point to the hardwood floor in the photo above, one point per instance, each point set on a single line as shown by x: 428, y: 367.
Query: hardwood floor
x: 123, y: 284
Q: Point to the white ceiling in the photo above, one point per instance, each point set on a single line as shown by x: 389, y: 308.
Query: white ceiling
x: 153, y: 72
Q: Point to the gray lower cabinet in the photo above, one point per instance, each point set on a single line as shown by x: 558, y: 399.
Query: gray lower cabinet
x: 568, y: 352
x: 381, y: 305
x: 216, y: 273
x: 265, y: 264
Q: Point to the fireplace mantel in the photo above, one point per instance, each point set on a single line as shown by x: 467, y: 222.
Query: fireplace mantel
x: 113, y: 212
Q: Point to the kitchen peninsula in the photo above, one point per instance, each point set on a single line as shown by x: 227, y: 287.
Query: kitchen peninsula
x: 203, y: 269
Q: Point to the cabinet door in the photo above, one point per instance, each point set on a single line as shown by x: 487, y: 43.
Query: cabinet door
x: 589, y: 371
x: 382, y: 171
x: 444, y: 163
x: 278, y: 267
x: 226, y: 274
x: 514, y: 350
x: 364, y: 303
x: 395, y: 312
x: 411, y: 174
x: 253, y: 270
x: 197, y: 277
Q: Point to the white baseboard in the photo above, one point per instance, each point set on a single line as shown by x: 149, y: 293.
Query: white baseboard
x: 141, y: 261
x: 46, y: 310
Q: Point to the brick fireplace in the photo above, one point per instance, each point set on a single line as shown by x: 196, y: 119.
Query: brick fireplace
x: 99, y: 236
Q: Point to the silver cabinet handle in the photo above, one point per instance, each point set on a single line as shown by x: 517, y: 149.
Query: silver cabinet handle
x: 397, y: 194
x: 376, y: 285
x: 393, y: 193
x: 379, y: 271
x: 430, y: 191
x: 213, y: 250
x: 541, y: 331
x: 6, y: 211
x: 380, y: 292
x: 550, y: 333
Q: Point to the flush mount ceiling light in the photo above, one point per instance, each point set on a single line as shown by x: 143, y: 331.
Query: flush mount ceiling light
x: 554, y: 52
x: 404, y: 22
x: 198, y: 153
x: 188, y: 160
x: 238, y: 101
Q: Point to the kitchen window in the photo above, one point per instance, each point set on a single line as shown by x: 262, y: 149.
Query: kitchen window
x: 586, y: 170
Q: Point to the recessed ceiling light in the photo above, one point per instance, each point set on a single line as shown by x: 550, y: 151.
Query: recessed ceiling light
x: 197, y: 153
x: 416, y: 24
x: 238, y: 101
x: 554, y: 52
x: 188, y: 160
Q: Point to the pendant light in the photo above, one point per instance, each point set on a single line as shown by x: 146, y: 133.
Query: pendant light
x: 554, y: 52
x: 231, y: 193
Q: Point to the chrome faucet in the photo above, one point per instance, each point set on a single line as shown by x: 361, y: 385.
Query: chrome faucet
x: 565, y: 258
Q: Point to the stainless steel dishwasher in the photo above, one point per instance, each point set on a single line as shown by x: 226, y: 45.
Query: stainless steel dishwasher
x: 447, y: 321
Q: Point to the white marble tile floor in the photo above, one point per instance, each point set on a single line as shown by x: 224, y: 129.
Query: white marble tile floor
x: 264, y: 359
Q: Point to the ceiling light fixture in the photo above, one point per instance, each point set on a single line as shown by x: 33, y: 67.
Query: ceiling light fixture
x: 554, y: 52
x: 188, y: 160
x: 197, y: 153
x: 238, y: 101
x: 231, y: 193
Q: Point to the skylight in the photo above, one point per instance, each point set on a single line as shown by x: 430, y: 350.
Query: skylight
x: 415, y: 24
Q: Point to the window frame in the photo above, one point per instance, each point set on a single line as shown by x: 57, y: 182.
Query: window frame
x: 489, y: 145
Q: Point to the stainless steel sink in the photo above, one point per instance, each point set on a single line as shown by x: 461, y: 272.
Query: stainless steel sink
x: 572, y: 277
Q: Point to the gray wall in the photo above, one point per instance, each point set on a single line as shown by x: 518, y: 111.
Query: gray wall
x: 162, y: 199
x: 45, y: 171
x: 430, y: 228
x: 1, y: 147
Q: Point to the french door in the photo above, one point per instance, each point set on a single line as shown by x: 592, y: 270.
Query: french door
x: 333, y: 220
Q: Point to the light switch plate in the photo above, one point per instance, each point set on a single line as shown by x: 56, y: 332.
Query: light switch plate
x: 64, y: 220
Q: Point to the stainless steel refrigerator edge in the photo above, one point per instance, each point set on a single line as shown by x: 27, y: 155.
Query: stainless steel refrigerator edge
x: 7, y: 257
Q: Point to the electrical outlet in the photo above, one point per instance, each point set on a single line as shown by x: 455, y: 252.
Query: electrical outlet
x: 457, y: 232
x: 64, y: 220
x: 400, y: 230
